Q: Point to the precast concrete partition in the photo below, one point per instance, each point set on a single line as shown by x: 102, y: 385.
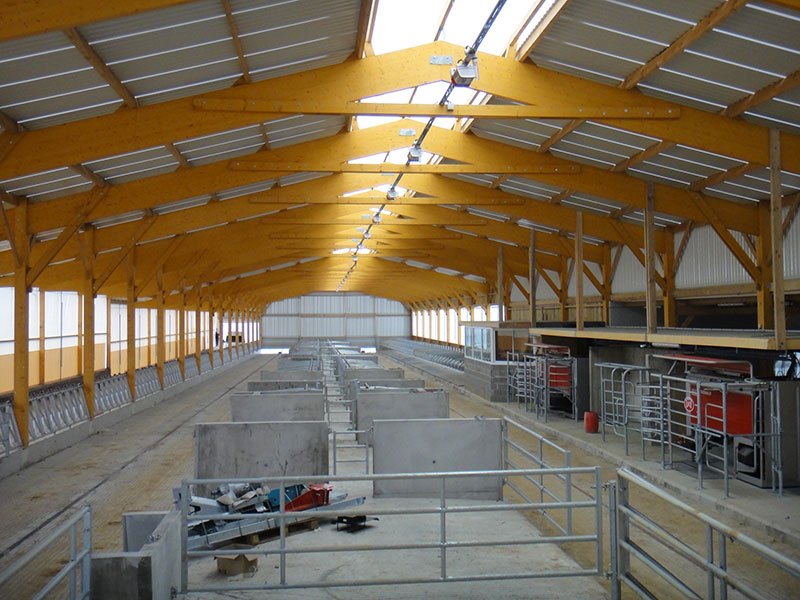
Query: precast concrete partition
x: 280, y: 406
x: 291, y: 375
x: 286, y: 384
x: 366, y: 374
x: 438, y: 445
x: 415, y: 403
x: 367, y: 383
x: 260, y: 449
x: 150, y: 566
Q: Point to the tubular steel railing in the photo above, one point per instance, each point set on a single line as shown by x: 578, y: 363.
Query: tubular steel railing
x: 77, y: 567
x: 713, y: 575
x: 285, y: 549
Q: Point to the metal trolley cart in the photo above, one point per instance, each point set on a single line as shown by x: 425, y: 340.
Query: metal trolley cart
x: 630, y: 403
x: 553, y: 380
x: 719, y: 417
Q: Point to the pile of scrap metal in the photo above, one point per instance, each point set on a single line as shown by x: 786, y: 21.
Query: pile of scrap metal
x: 208, y: 527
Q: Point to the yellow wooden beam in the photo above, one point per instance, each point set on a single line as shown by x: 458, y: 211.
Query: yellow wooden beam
x: 634, y: 109
x: 334, y: 166
x: 537, y: 35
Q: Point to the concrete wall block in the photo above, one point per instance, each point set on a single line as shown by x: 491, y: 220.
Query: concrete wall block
x: 249, y: 406
x: 260, y: 449
x: 399, y: 404
x: 137, y: 527
x: 299, y: 375
x: 126, y: 576
x: 437, y: 445
x: 365, y: 374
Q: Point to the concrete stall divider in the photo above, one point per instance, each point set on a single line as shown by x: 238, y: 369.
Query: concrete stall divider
x: 286, y: 384
x: 414, y: 403
x: 290, y: 406
x: 438, y: 445
x: 259, y: 449
x: 150, y: 568
x: 301, y: 375
x: 350, y: 388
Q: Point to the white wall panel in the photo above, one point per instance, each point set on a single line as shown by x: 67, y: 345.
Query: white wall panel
x: 360, y: 327
x: 544, y: 291
x: 290, y: 306
x: 707, y: 261
x: 384, y: 306
x: 322, y: 327
x: 588, y: 286
x: 280, y: 326
x: 630, y: 275
x: 359, y: 304
x: 322, y: 304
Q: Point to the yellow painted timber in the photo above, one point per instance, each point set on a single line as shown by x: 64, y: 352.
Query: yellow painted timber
x: 316, y: 106
x: 333, y: 166
x: 21, y: 318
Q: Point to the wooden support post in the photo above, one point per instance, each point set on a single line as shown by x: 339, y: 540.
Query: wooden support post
x: 578, y: 270
x: 211, y: 330
x: 563, y: 293
x: 88, y: 255
x: 607, y: 276
x: 764, y: 310
x: 182, y: 336
x: 131, y: 331
x: 776, y: 235
x: 670, y: 308
x: 221, y: 337
x: 161, y: 330
x: 237, y: 321
x: 532, y: 276
x: 21, y: 318
x: 41, y: 337
x: 198, y: 333
x: 650, y: 260
x: 230, y: 333
x: 500, y: 287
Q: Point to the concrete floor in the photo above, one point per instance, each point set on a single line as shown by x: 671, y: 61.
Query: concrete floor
x: 134, y: 465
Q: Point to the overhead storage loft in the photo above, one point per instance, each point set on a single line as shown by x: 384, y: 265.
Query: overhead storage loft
x: 613, y: 162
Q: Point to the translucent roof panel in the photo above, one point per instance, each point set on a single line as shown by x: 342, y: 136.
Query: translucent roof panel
x: 45, y: 81
x: 601, y: 145
x: 286, y: 37
x: 169, y: 53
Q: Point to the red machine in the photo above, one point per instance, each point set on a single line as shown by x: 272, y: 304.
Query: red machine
x: 739, y: 411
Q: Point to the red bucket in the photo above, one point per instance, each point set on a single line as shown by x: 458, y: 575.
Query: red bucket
x: 590, y: 422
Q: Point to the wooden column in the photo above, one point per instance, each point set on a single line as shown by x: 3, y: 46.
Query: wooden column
x: 131, y: 331
x: 237, y: 320
x: 41, y: 336
x: 776, y: 235
x: 606, y: 272
x: 670, y: 308
x: 211, y: 330
x: 221, y: 340
x: 563, y: 293
x: 500, y: 286
x: 764, y: 308
x: 230, y: 331
x: 578, y: 270
x: 650, y: 261
x: 532, y: 276
x: 198, y: 333
x: 21, y: 318
x: 182, y: 335
x: 161, y: 329
x: 88, y: 256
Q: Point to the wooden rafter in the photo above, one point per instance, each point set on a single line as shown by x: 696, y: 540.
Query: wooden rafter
x: 687, y: 233
x: 86, y: 172
x: 443, y: 19
x: 157, y: 266
x: 705, y: 25
x: 177, y: 154
x: 100, y: 66
x: 237, y: 43
x: 642, y: 156
x: 766, y: 93
x: 731, y: 173
x: 560, y: 134
x: 124, y: 251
